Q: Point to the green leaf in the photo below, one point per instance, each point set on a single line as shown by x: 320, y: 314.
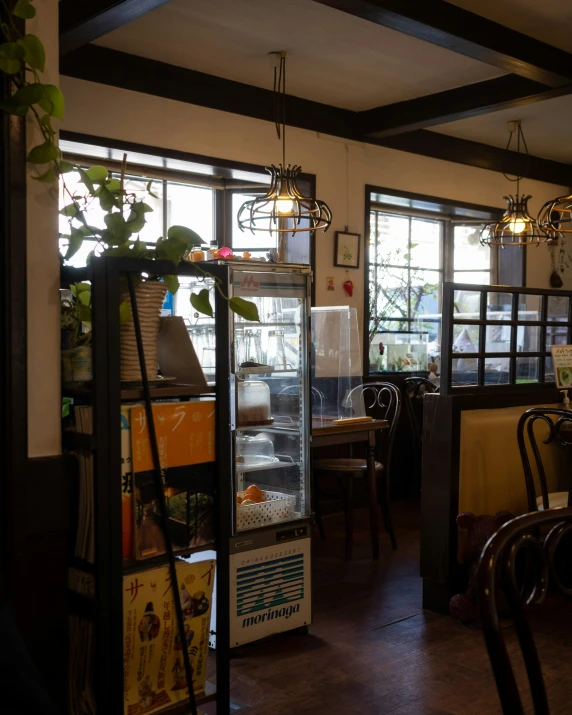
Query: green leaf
x: 84, y: 313
x: 201, y: 302
x: 29, y: 94
x: 70, y: 210
x: 75, y: 241
x: 113, y: 185
x: 106, y: 199
x: 170, y: 249
x: 48, y: 177
x: 64, y: 167
x: 12, y: 51
x: 77, y: 288
x: 149, y: 185
x: 24, y: 9
x: 98, y: 174
x: 124, y: 312
x: 136, y: 219
x: 34, y: 52
x: 119, y: 229
x: 84, y: 179
x: 53, y: 101
x: 43, y: 153
x: 10, y: 66
x: 172, y: 283
x: 185, y: 235
x: 11, y: 107
x: 84, y: 297
x: 245, y: 308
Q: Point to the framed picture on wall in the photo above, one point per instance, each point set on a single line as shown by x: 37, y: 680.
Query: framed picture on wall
x: 346, y: 249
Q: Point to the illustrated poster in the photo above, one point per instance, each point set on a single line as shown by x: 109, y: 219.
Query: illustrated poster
x: 154, y: 670
x: 562, y: 361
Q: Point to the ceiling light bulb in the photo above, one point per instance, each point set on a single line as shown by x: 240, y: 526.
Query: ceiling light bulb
x: 284, y: 206
x: 517, y: 225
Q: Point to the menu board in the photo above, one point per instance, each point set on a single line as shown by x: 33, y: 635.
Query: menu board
x: 562, y: 361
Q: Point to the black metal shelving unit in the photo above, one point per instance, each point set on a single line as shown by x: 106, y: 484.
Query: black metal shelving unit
x: 107, y: 277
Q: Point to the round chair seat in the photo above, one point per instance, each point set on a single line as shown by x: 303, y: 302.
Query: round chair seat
x: 344, y: 465
x: 554, y: 500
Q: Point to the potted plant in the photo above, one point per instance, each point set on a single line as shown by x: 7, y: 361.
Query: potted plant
x: 22, y: 57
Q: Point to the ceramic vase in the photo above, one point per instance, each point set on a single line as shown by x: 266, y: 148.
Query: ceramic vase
x: 150, y: 297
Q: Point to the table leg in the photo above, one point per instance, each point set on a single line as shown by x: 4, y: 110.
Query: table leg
x: 372, y: 489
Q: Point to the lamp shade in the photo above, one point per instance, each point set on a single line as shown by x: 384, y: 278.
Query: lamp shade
x: 283, y: 209
x: 555, y: 217
x: 515, y: 228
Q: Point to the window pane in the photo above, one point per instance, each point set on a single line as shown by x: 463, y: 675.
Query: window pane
x: 527, y: 369
x: 498, y: 339
x: 259, y: 240
x: 425, y: 243
x: 153, y: 228
x: 469, y: 254
x: 477, y: 278
x: 391, y: 242
x: 499, y: 306
x: 425, y: 289
x: 388, y: 297
x: 497, y: 371
x: 557, y: 308
x: 464, y: 371
x: 466, y: 338
x: 467, y: 304
x: 529, y: 307
x: 528, y: 339
x: 191, y: 206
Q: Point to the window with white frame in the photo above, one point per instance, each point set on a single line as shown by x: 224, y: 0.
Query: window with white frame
x: 410, y: 256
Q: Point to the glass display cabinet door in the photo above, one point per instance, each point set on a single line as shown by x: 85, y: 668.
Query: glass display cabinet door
x: 270, y: 364
x: 201, y: 328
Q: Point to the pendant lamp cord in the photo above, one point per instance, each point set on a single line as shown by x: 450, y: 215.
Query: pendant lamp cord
x: 279, y: 101
x: 519, y: 138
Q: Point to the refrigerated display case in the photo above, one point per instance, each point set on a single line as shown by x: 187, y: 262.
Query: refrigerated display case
x: 270, y: 420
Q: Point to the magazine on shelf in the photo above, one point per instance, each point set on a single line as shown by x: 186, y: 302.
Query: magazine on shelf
x: 154, y: 671
x: 185, y: 438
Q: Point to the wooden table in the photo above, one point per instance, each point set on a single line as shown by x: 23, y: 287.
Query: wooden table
x: 326, y: 434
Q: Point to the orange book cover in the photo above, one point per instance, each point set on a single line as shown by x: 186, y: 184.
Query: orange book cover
x: 185, y: 434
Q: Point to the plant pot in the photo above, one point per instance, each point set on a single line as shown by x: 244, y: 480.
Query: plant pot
x: 77, y: 365
x: 150, y: 297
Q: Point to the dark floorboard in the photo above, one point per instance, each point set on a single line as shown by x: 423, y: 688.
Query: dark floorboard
x: 372, y: 649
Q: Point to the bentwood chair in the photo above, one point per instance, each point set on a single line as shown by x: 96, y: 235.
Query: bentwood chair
x: 559, y: 423
x: 499, y: 573
x: 381, y: 401
x: 414, y: 390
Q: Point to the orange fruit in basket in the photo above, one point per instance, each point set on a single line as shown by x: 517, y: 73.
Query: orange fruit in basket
x: 255, y: 493
x: 239, y: 499
x: 247, y: 502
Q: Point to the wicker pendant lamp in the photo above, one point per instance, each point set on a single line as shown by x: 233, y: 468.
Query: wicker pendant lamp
x: 517, y: 227
x: 283, y: 209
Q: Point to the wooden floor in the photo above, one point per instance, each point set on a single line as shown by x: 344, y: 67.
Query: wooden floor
x: 372, y: 649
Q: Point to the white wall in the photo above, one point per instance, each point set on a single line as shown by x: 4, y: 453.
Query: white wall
x: 44, y: 396
x: 131, y: 116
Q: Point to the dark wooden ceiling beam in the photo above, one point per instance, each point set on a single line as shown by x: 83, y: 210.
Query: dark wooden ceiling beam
x: 82, y: 21
x: 466, y: 33
x: 119, y: 69
x: 482, y: 156
x: 506, y: 92
x: 139, y: 74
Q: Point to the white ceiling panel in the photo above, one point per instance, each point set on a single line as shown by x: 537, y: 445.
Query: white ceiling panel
x: 333, y: 57
x: 547, y: 128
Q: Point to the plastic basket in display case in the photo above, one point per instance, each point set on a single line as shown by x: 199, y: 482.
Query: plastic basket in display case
x: 278, y: 506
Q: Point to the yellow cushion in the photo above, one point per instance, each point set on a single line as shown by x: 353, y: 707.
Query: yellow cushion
x: 555, y: 499
x: 344, y: 465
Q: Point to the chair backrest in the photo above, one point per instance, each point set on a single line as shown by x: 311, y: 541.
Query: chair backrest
x: 414, y: 390
x: 381, y: 400
x: 316, y: 396
x: 555, y: 421
x: 498, y: 572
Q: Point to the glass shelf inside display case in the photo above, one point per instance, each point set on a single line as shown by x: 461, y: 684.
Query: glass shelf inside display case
x: 270, y: 361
